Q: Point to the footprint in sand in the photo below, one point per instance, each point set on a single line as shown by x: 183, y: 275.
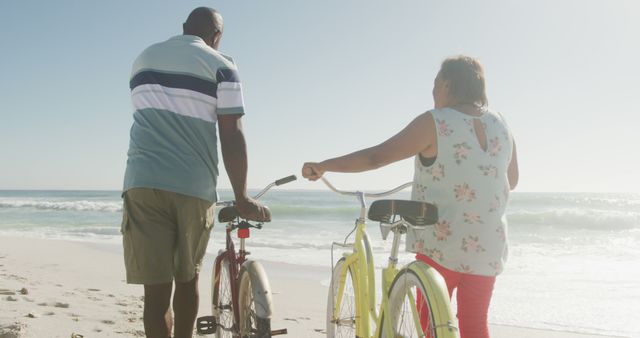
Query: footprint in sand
x: 16, y: 277
x: 108, y: 322
x: 94, y: 290
x: 61, y: 305
x: 12, y: 331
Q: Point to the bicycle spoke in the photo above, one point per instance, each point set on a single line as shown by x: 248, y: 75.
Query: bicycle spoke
x: 225, y: 304
x: 345, y: 324
x: 249, y: 326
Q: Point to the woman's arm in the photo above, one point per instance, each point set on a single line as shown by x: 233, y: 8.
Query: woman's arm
x: 416, y: 137
x: 512, y: 171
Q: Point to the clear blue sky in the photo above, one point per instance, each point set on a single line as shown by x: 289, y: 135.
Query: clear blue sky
x: 323, y: 78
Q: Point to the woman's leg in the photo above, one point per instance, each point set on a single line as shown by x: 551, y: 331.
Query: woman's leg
x: 474, y: 295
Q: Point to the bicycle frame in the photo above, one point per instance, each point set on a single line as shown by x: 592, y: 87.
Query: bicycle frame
x: 237, y: 259
x: 360, y: 260
x: 235, y: 262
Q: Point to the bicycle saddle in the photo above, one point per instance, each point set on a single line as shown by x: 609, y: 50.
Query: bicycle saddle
x: 229, y: 213
x: 415, y: 212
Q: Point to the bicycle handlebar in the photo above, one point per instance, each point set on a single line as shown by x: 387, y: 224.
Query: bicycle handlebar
x: 366, y: 194
x: 281, y: 181
x: 285, y: 180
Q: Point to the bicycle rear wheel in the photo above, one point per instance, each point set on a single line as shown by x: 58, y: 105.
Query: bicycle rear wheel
x: 222, y: 307
x: 252, y: 325
x: 344, y: 324
x: 419, y: 307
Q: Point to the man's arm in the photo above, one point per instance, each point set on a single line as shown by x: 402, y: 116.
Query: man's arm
x: 234, y: 155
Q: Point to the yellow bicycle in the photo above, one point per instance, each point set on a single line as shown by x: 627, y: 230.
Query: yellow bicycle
x: 415, y: 302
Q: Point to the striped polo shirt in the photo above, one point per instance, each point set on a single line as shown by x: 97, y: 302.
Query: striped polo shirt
x: 178, y: 88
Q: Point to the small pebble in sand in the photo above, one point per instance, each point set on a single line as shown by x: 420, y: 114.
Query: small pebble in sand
x: 33, y: 315
x: 24, y: 291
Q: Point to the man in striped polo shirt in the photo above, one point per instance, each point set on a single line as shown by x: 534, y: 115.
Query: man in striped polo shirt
x: 181, y: 89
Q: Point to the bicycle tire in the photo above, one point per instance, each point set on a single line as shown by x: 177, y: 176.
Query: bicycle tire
x: 251, y: 325
x: 344, y: 325
x: 222, y: 301
x: 433, y: 308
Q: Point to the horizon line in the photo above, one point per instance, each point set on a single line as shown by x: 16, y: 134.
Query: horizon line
x: 325, y: 189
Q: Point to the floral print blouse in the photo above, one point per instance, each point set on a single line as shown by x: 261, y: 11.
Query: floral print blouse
x: 469, y: 186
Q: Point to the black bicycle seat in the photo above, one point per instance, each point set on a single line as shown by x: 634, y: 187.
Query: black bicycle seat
x: 415, y: 212
x: 227, y: 214
x: 230, y: 213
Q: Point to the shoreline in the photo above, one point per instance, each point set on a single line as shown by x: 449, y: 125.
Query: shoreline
x: 78, y: 287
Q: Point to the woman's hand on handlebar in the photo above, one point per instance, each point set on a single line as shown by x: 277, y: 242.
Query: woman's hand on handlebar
x: 252, y: 210
x: 312, y: 171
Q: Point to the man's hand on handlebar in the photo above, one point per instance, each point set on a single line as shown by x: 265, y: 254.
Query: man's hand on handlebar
x: 252, y: 210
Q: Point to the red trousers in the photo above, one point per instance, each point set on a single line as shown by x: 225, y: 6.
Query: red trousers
x: 473, y: 297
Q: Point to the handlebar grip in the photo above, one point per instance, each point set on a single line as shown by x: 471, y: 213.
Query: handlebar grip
x: 286, y: 180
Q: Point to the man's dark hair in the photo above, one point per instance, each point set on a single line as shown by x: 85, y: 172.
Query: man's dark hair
x: 203, y: 22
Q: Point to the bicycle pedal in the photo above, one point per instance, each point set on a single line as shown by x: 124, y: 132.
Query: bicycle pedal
x: 278, y: 332
x: 206, y: 325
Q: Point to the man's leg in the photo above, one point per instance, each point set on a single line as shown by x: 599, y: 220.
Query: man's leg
x: 157, y: 313
x: 195, y: 219
x: 149, y: 236
x: 185, y: 307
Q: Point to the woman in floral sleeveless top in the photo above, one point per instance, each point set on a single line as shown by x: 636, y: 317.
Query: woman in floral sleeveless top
x: 465, y: 163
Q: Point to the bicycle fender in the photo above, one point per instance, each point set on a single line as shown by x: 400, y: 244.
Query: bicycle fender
x: 427, y: 272
x: 436, y: 285
x: 261, y: 288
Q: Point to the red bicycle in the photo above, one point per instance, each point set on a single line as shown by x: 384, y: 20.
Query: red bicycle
x: 241, y: 294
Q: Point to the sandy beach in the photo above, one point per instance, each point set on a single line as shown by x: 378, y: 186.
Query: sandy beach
x: 55, y: 288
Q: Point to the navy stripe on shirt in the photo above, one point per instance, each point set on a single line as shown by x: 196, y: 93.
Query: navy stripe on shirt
x: 227, y: 75
x: 175, y: 81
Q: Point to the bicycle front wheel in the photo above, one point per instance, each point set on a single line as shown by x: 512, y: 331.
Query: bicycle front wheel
x: 341, y: 314
x: 222, y: 306
x: 254, y: 302
x: 419, y: 305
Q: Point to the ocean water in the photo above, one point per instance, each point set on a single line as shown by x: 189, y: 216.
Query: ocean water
x: 574, y: 261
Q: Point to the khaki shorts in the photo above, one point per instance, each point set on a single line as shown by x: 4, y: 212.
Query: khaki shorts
x: 165, y: 235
